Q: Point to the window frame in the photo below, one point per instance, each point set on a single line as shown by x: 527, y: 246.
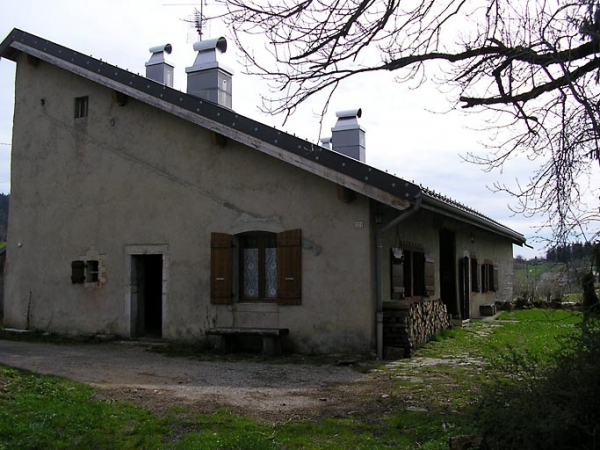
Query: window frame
x: 224, y: 262
x: 81, y: 107
x: 489, y: 275
x: 262, y: 238
x: 417, y: 273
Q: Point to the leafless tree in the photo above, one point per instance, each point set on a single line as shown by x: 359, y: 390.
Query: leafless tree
x: 533, y: 63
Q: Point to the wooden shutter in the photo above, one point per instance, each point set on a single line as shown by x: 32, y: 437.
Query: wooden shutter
x: 397, y: 274
x: 464, y: 287
x: 494, y: 286
x: 474, y: 275
x: 484, y: 278
x: 289, y: 267
x: 221, y: 274
x: 77, y: 272
x: 429, y: 275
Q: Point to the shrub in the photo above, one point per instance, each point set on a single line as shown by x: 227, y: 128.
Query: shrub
x: 531, y: 407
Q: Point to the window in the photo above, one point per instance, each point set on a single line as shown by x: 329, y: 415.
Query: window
x: 81, y: 107
x: 489, y: 277
x: 258, y: 265
x: 412, y: 273
x: 85, y: 272
x: 270, y: 267
x: 92, y: 271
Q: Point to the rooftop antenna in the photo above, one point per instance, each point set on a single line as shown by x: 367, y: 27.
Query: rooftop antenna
x: 197, y: 19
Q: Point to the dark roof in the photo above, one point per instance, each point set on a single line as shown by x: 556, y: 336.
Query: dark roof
x: 348, y: 172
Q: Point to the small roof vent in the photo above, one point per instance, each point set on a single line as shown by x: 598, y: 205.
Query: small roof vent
x: 208, y: 78
x: 157, y: 67
x: 209, y: 52
x: 326, y: 143
x: 348, y: 137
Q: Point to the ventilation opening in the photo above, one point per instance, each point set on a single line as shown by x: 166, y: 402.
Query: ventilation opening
x: 81, y: 107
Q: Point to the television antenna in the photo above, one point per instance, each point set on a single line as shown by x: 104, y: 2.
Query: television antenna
x: 197, y: 19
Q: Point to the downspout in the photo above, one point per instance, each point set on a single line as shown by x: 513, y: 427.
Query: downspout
x: 378, y: 263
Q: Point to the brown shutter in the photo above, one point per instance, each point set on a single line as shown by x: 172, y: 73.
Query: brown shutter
x: 397, y: 274
x: 77, y: 272
x: 429, y: 275
x: 464, y: 287
x: 221, y: 274
x: 474, y: 275
x: 289, y: 267
x: 484, y: 278
x: 494, y: 286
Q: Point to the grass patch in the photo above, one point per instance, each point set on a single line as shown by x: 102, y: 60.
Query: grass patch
x: 41, y: 412
x: 428, y: 399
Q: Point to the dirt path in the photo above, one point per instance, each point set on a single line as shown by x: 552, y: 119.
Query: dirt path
x: 265, y: 389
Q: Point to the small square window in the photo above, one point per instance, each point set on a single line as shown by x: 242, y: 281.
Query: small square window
x: 81, y: 107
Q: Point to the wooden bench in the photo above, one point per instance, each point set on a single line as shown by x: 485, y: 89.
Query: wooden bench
x: 271, y: 337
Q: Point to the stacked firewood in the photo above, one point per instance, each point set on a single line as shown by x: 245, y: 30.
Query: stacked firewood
x: 406, y: 329
x: 427, y: 319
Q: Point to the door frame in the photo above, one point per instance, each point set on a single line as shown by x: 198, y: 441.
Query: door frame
x: 131, y: 301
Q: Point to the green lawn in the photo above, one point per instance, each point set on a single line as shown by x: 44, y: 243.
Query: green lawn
x: 425, y: 404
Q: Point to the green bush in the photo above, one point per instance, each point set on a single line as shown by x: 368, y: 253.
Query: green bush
x: 533, y: 407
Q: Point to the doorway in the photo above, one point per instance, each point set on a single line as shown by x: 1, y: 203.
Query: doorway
x: 147, y: 295
x: 448, y: 271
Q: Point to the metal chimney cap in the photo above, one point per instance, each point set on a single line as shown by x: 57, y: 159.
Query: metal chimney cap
x: 211, y: 44
x: 162, y: 48
x: 349, y: 113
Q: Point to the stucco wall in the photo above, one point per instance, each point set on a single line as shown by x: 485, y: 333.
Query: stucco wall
x: 135, y: 176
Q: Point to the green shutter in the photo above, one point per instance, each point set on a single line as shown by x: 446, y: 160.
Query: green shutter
x: 221, y: 274
x: 289, y: 267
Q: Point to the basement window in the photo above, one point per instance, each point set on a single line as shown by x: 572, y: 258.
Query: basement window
x: 81, y: 107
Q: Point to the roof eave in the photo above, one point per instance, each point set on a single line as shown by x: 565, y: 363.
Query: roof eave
x: 438, y: 206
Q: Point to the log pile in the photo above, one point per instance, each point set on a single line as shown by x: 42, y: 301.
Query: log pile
x: 406, y: 327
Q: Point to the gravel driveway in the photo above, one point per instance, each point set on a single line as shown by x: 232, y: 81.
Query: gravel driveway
x: 125, y: 371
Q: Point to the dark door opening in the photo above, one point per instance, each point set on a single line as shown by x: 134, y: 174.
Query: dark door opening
x: 448, y: 271
x: 147, y: 288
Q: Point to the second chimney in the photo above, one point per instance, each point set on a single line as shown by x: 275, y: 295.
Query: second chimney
x: 157, y: 68
x: 207, y: 78
x: 347, y: 136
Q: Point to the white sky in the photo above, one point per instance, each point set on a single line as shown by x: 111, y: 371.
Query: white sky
x: 406, y: 130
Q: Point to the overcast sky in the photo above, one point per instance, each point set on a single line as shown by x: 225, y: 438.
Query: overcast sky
x: 408, y: 132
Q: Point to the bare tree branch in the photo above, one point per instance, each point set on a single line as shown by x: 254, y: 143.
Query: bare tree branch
x: 535, y: 63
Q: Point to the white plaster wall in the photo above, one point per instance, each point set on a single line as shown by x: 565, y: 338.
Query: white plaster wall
x: 134, y: 175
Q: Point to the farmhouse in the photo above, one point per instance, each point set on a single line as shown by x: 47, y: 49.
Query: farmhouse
x: 139, y: 210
